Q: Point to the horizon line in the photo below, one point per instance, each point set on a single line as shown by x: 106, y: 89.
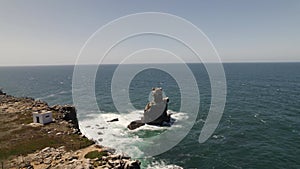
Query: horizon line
x: 90, y: 64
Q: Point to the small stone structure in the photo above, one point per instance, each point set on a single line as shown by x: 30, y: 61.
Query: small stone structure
x: 43, y: 117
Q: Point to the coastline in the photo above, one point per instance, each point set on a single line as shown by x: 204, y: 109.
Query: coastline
x: 24, y: 143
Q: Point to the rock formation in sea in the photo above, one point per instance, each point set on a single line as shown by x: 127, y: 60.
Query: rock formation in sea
x: 155, y: 112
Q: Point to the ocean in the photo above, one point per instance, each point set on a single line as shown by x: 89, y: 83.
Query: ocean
x: 260, y: 126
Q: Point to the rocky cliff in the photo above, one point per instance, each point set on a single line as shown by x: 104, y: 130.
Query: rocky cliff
x: 24, y: 144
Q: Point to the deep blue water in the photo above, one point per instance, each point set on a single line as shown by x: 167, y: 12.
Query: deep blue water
x: 260, y: 127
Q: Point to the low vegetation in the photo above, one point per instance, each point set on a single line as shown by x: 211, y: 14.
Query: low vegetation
x: 95, y: 154
x: 17, y: 137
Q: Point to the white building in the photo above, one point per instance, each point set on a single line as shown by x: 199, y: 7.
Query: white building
x: 43, y: 118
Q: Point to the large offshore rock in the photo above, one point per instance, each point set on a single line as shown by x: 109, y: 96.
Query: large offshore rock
x: 155, y: 112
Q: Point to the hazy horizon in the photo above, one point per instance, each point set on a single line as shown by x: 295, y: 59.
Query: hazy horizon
x: 41, y: 65
x: 53, y: 32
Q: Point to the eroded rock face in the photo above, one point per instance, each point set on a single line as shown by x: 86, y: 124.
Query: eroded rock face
x: 68, y: 113
x: 155, y: 112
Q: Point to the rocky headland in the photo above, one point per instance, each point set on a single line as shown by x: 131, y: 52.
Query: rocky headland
x: 59, y: 144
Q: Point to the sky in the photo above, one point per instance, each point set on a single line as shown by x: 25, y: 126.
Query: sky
x: 52, y: 32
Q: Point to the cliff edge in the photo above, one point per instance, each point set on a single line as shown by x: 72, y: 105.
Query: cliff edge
x: 59, y: 144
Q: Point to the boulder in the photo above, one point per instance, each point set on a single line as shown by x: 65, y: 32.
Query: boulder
x: 132, y: 165
x: 1, y: 92
x: 113, y: 120
x: 135, y: 124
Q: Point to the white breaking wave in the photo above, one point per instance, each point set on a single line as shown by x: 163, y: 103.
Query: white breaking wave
x: 117, y: 136
x: 162, y: 165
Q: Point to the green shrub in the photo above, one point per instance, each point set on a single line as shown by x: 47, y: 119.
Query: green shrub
x: 95, y: 154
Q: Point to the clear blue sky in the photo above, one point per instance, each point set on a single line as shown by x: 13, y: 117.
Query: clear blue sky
x: 52, y: 32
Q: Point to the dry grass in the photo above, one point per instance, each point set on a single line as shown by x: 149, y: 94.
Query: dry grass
x: 18, y: 138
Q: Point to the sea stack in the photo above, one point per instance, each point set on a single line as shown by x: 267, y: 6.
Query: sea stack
x: 155, y: 112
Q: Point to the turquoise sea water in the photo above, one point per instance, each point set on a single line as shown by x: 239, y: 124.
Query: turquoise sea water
x: 260, y: 127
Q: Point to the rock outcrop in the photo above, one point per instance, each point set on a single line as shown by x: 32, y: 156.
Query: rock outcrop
x: 67, y: 113
x: 135, y: 124
x: 59, y: 158
x: 1, y: 92
x: 155, y: 112
x: 113, y: 120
